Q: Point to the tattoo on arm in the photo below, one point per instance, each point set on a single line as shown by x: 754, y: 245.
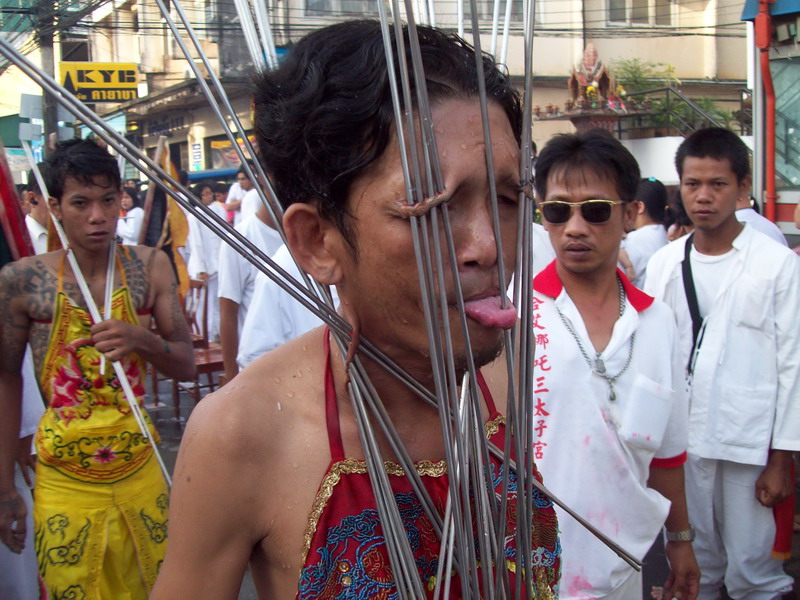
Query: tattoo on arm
x: 27, y: 291
x: 167, y: 349
x: 136, y: 277
x: 177, y: 316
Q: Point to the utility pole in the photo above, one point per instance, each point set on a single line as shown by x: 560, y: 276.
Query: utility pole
x: 45, y: 28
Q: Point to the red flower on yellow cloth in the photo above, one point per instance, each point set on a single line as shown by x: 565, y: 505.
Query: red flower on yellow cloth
x: 104, y: 455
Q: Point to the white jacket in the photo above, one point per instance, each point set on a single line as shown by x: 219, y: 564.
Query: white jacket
x: 745, y: 387
x: 204, y: 245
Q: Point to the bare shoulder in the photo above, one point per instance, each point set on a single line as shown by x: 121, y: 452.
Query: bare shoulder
x: 148, y: 257
x: 30, y: 284
x: 250, y: 453
x: 17, y: 272
x: 145, y: 268
x: 259, y: 447
x: 282, y: 388
x: 268, y: 410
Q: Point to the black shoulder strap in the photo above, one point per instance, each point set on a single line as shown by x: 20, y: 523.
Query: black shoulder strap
x: 691, y: 294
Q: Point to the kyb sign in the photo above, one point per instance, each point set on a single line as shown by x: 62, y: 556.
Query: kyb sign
x: 100, y: 82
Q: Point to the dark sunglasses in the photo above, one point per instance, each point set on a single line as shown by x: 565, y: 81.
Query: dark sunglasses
x: 594, y: 211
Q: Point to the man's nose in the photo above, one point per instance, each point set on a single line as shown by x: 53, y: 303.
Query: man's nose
x: 576, y: 224
x: 479, y: 245
x: 704, y: 193
x: 96, y: 213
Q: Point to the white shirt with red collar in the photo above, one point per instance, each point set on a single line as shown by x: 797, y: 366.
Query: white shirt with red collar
x: 595, y: 453
x: 38, y: 233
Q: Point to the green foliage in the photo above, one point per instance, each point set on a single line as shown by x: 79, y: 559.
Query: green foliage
x: 664, y: 110
x: 637, y: 75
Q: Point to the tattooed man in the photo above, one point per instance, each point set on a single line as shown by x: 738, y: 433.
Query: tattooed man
x: 100, y: 515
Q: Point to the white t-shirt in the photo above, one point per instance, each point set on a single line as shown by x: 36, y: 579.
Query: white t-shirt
x: 274, y: 316
x: 762, y: 224
x: 237, y: 275
x: 595, y: 453
x: 641, y: 244
x: 129, y: 226
x: 543, y: 253
x: 708, y: 273
x: 251, y: 202
x: 235, y: 192
x: 32, y: 404
x: 204, y: 245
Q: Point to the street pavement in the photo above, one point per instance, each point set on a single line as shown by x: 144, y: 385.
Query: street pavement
x: 171, y: 429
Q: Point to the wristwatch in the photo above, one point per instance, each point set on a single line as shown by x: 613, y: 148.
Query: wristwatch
x: 687, y: 535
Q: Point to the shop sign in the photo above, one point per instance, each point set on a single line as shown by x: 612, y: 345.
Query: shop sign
x: 101, y: 82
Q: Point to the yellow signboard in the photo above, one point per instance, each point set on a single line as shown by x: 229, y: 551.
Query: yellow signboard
x: 101, y: 82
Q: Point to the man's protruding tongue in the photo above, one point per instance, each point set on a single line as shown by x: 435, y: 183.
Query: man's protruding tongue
x: 489, y: 312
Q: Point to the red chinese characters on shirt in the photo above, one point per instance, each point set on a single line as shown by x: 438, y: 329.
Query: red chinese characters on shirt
x: 541, y: 392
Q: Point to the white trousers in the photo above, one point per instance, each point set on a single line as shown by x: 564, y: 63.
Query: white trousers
x: 213, y: 307
x: 19, y: 573
x: 735, y: 532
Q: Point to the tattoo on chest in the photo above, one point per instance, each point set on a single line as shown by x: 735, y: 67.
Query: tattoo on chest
x: 38, y: 284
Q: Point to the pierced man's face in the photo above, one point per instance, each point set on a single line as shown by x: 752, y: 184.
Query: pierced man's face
x: 382, y: 285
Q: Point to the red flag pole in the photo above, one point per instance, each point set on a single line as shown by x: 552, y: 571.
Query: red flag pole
x: 12, y: 218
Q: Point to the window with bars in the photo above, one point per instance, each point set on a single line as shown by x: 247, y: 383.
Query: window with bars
x: 486, y: 8
x: 640, y: 12
x: 336, y: 8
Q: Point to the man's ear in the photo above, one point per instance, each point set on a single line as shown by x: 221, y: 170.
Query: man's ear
x: 745, y: 188
x: 537, y: 205
x: 315, y: 242
x: 629, y: 215
x: 55, y: 207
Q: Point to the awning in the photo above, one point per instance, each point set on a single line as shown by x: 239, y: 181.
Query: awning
x: 780, y: 7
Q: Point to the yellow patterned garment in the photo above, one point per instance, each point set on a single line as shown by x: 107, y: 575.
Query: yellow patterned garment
x: 100, y: 499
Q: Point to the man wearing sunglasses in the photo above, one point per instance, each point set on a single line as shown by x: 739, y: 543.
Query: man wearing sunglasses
x: 735, y: 293
x: 611, y: 415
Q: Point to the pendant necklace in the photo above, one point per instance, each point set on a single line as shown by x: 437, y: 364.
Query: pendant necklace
x: 597, y: 364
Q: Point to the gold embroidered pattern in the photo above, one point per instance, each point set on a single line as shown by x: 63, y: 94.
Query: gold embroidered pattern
x: 544, y: 590
x: 493, y: 426
x: 351, y: 466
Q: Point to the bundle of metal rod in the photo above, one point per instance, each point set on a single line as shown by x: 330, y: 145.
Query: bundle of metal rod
x: 225, y: 112
x: 473, y: 525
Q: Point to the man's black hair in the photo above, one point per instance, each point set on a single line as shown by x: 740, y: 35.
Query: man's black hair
x: 653, y: 195
x: 200, y: 186
x: 242, y: 171
x: 134, y: 194
x: 33, y: 183
x: 676, y: 212
x: 326, y: 114
x: 596, y: 151
x: 83, y: 160
x: 719, y: 144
